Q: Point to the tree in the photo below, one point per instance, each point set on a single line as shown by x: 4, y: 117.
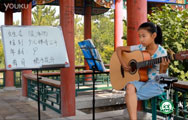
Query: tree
x: 78, y: 36
x: 103, y: 34
x: 124, y: 32
x: 16, y: 23
x: 2, y: 59
x: 174, y: 24
x: 43, y: 15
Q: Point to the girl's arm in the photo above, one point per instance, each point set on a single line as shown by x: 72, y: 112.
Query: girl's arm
x: 119, y: 51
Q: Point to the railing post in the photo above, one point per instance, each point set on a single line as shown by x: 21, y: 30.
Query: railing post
x: 25, y: 83
x: 44, y: 94
x: 154, y: 108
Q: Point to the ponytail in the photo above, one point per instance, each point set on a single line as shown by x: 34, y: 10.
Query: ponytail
x: 159, y: 38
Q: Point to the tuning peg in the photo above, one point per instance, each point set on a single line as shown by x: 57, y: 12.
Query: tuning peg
x: 171, y: 53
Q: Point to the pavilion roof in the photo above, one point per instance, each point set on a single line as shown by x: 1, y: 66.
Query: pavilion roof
x: 80, y: 5
x: 98, y: 6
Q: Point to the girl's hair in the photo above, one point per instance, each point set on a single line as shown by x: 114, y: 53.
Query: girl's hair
x: 151, y: 27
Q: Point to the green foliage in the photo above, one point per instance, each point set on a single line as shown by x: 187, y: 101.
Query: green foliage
x: 43, y: 15
x: 16, y: 23
x: 174, y: 24
x: 124, y: 33
x: 79, y: 36
x: 2, y: 59
x: 103, y: 35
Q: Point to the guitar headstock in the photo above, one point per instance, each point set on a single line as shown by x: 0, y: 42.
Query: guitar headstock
x: 181, y: 55
x: 170, y: 54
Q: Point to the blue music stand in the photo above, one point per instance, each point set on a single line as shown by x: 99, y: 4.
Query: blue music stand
x: 94, y: 61
x: 91, y: 55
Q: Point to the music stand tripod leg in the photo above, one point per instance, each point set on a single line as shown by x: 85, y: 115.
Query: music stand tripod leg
x: 93, y: 78
x: 38, y: 92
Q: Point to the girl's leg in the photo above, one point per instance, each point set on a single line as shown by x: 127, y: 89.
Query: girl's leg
x: 131, y: 101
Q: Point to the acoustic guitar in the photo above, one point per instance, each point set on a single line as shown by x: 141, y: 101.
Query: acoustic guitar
x: 139, y: 61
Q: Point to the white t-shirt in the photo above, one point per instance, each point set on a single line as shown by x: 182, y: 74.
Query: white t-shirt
x: 160, y: 52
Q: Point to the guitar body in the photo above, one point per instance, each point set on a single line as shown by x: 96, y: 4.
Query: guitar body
x: 119, y: 78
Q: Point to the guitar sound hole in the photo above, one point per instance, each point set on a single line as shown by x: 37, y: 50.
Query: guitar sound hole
x: 133, y: 66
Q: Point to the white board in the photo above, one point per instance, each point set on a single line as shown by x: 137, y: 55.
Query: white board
x: 33, y: 47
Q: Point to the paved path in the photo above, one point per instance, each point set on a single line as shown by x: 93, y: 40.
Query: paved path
x: 15, y: 107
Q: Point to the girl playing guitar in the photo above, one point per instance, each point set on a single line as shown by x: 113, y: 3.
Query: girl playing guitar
x: 150, y: 36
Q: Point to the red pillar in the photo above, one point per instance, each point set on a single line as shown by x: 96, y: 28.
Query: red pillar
x: 68, y: 74
x: 9, y: 17
x: 87, y: 32
x: 136, y: 15
x: 9, y: 75
x: 26, y: 20
x: 87, y: 23
x: 118, y: 30
x: 186, y: 6
x: 26, y: 15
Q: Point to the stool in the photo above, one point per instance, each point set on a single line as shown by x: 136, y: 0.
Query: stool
x: 164, y: 79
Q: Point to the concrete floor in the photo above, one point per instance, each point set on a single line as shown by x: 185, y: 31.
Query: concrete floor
x: 15, y: 107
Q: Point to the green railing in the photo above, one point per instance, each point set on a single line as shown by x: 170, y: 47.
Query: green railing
x: 17, y: 78
x: 18, y: 75
x: 49, y: 95
x: 152, y: 105
x: 49, y: 92
x: 102, y: 82
x: 102, y: 79
x: 2, y: 79
x: 181, y: 103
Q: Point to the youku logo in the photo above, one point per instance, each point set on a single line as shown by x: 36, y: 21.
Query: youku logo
x: 15, y: 6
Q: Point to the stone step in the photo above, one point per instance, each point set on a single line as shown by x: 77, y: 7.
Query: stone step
x: 102, y: 98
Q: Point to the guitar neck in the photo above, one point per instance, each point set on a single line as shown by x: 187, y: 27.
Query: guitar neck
x: 151, y: 62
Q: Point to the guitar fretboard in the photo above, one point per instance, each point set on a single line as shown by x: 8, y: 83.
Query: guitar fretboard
x: 151, y: 62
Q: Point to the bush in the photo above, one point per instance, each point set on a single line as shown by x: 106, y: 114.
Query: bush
x: 174, y: 24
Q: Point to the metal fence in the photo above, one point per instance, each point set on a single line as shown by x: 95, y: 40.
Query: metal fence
x: 49, y: 95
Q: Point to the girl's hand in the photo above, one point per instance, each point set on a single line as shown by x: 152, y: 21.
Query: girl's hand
x: 119, y: 51
x: 126, y: 68
x: 165, y: 62
x: 164, y: 65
